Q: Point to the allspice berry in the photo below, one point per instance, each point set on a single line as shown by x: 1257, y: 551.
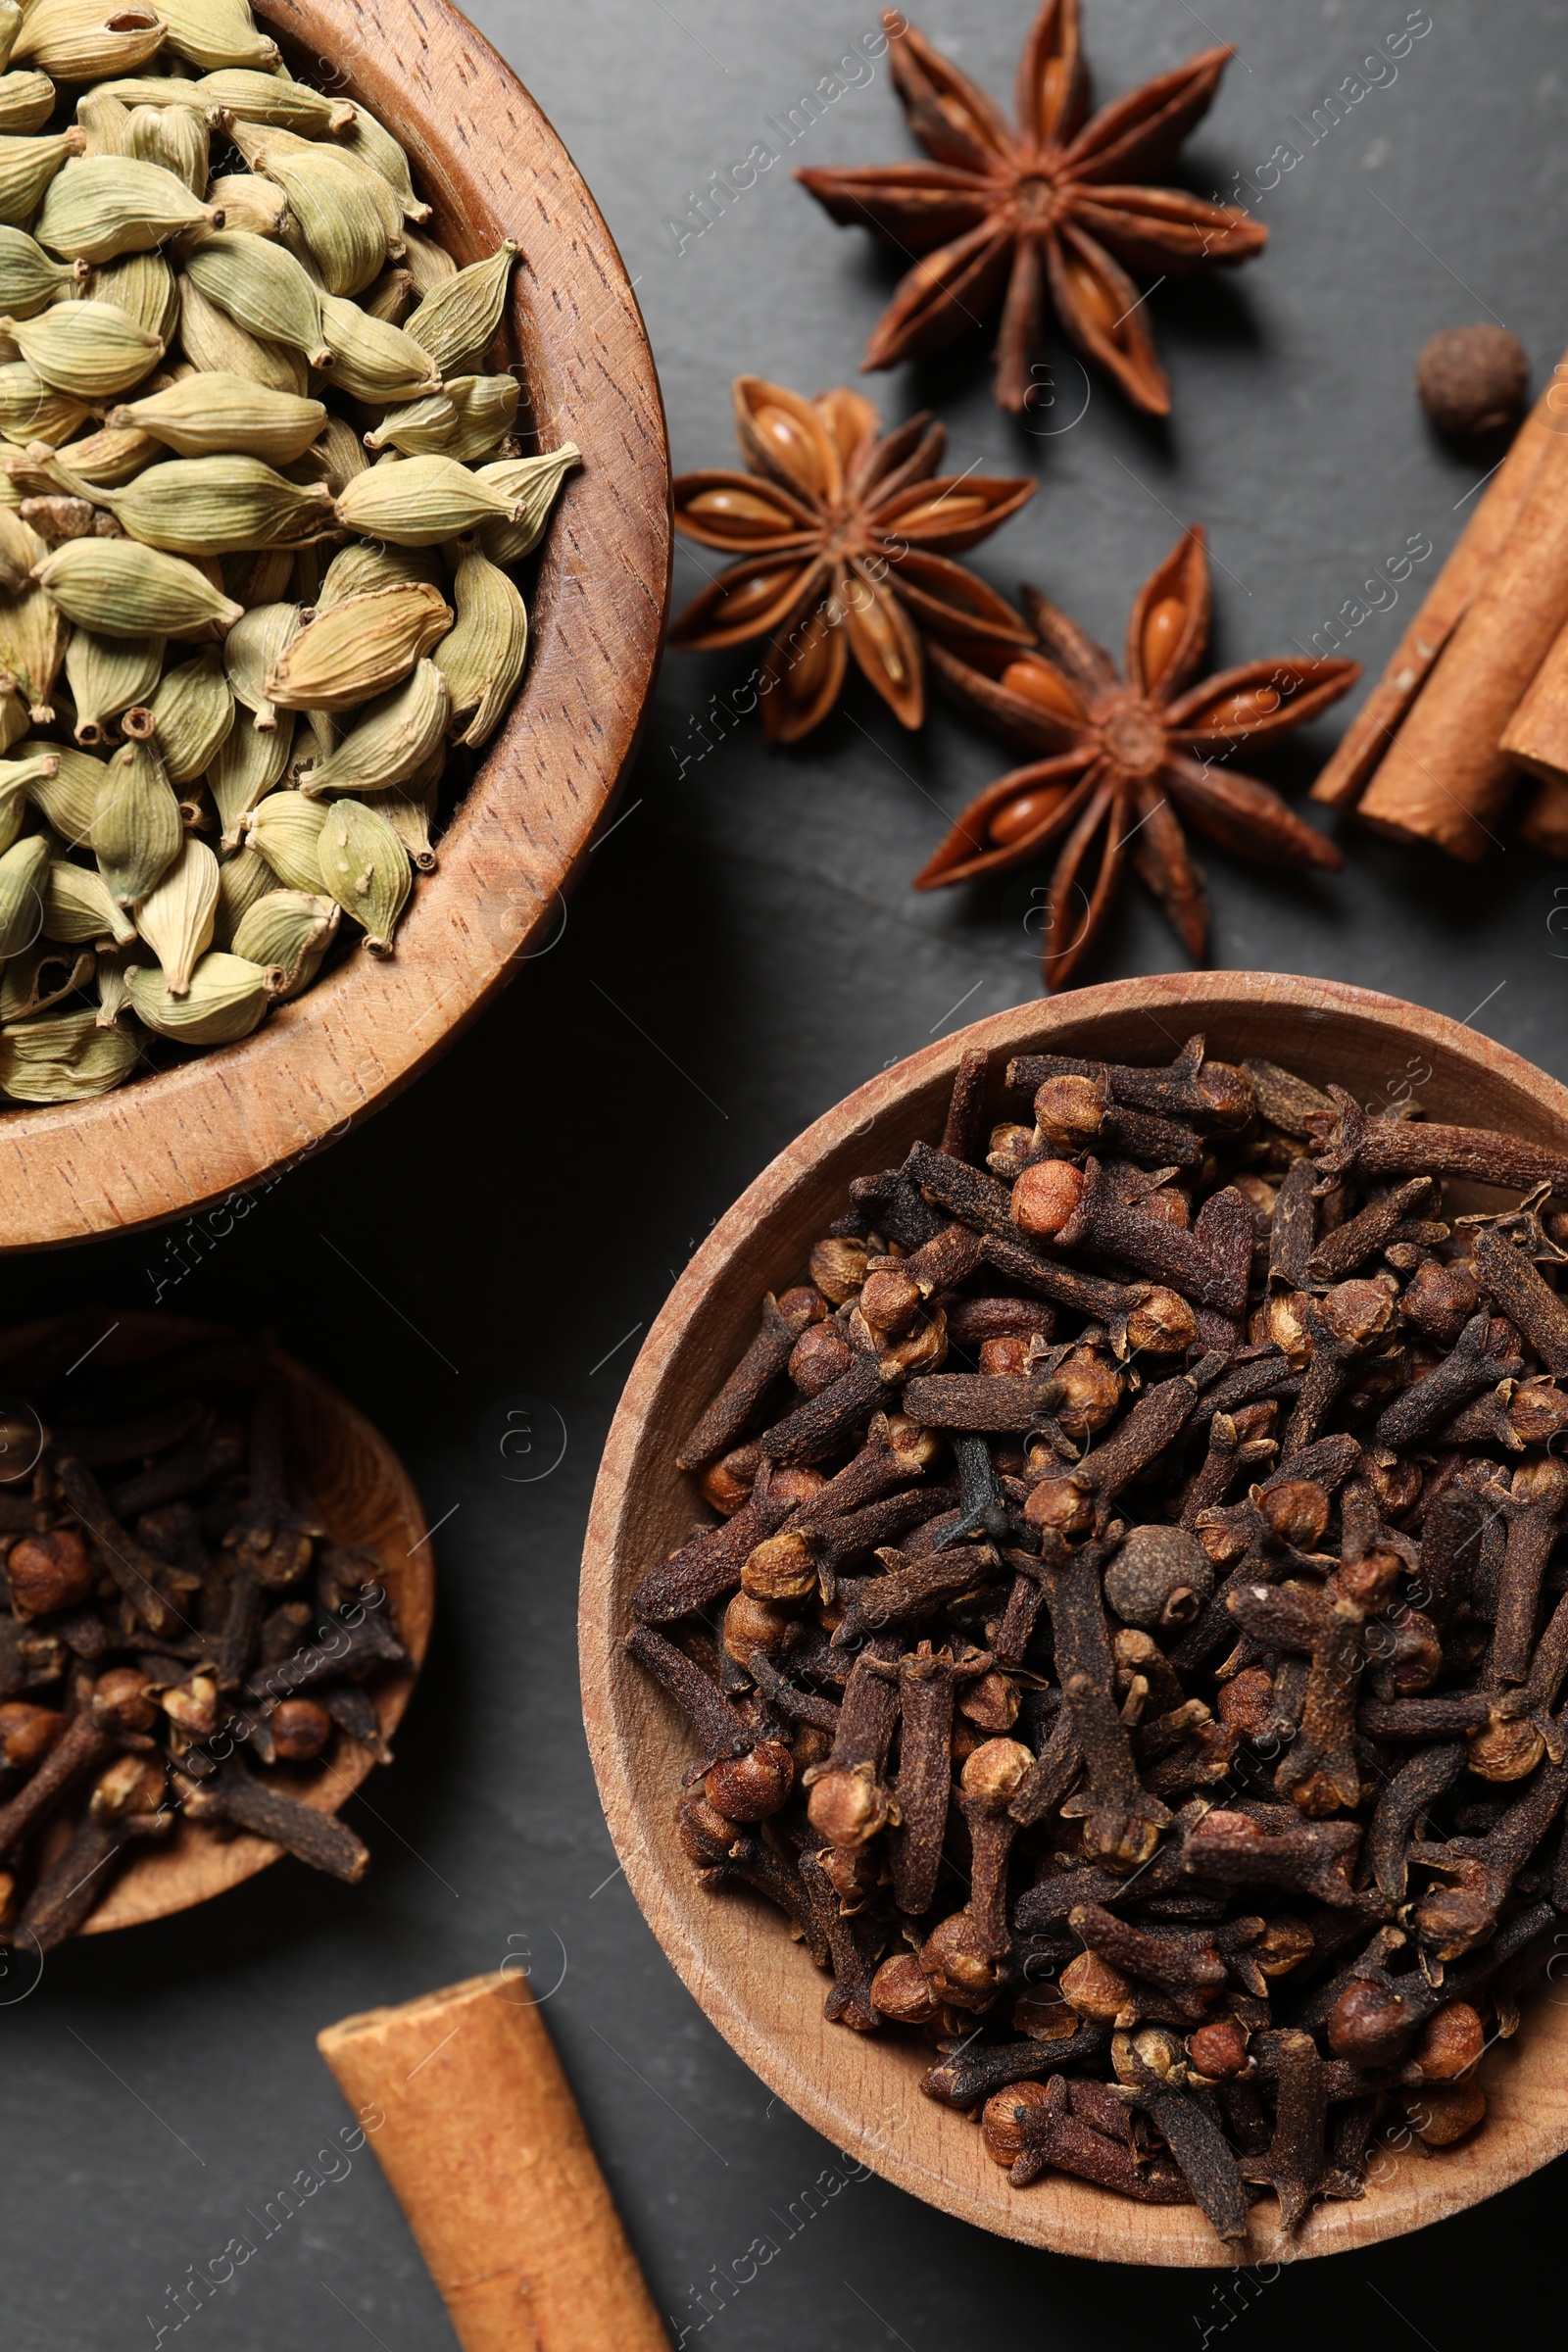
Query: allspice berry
x: 1473, y: 380
x: 1160, y: 1577
x: 1046, y: 1196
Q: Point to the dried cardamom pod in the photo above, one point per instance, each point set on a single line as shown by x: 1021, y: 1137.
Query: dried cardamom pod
x: 78, y: 905
x: 174, y: 136
x: 42, y: 976
x: 366, y: 870
x: 364, y: 566
x: 28, y: 280
x: 429, y: 264
x: 12, y: 714
x: 24, y: 869
x: 11, y: 21
x: 33, y: 646
x: 534, y: 483
x: 226, y: 998
x: 260, y: 97
x: 175, y: 919
x: 218, y: 413
x: 217, y: 34
x: 410, y: 810
x: 126, y: 589
x: 369, y: 142
x: 26, y: 102
x: 457, y: 321
x: 113, y: 204
x: 90, y: 350
x: 104, y: 123
x: 21, y: 548
x: 290, y: 930
x: 334, y: 457
x: 482, y: 657
x: 106, y: 675
x: 65, y: 1058
x: 211, y: 505
x: 144, y: 287
x: 107, y: 459
x: 390, y: 298
x: 286, y: 830
x: 371, y: 361
x: 263, y: 288
x: 215, y: 345
x: 336, y: 215
x: 17, y: 780
x: 87, y: 41
x: 357, y: 649
x: 27, y: 165
x: 67, y: 792
x: 247, y: 201
x: 192, y: 713
x: 395, y: 736
x: 244, y: 771
x: 114, y: 995
x: 279, y: 153
x: 251, y: 651
x: 136, y: 827
x: 264, y: 576
x: 242, y: 879
x: 420, y: 502
x: 29, y: 411
x: 464, y: 421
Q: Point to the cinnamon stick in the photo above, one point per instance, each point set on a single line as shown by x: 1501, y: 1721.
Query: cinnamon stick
x: 1536, y: 736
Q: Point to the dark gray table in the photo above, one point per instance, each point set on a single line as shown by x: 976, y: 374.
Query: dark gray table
x: 744, y: 949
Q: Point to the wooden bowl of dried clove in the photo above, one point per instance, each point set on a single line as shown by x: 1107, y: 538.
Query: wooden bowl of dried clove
x: 735, y: 1950
x: 137, y: 1439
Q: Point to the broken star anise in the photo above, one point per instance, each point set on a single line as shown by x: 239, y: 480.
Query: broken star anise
x: 1129, y: 761
x: 847, y: 537
x: 1047, y: 213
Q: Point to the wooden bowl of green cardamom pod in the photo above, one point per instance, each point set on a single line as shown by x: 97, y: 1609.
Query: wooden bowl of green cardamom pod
x: 733, y: 1950
x: 122, y: 1106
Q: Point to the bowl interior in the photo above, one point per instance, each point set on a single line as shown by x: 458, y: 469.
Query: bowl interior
x: 733, y: 1950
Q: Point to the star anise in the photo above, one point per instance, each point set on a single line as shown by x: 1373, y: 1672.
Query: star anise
x: 840, y: 527
x: 1047, y: 212
x: 1129, y: 762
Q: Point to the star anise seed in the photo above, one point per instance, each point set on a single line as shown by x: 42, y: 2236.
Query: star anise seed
x: 1055, y: 212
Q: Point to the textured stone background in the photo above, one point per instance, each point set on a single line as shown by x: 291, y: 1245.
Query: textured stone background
x: 745, y: 949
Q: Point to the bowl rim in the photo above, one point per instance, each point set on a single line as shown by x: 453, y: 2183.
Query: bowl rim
x: 1059, y: 2214
x: 209, y: 1130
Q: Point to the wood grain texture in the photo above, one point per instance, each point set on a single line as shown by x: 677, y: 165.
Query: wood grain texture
x: 733, y: 1951
x: 487, y: 159
x: 488, y: 2158
x: 366, y: 1497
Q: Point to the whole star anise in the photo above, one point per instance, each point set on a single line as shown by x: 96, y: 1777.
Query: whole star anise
x: 840, y: 527
x: 1129, y: 762
x: 1049, y: 210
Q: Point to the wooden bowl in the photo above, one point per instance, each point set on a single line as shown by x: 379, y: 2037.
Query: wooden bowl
x: 363, y: 1495
x: 178, y: 1140
x: 734, y: 1951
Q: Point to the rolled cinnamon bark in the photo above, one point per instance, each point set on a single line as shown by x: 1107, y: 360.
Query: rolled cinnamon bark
x: 484, y: 2147
x: 1536, y: 736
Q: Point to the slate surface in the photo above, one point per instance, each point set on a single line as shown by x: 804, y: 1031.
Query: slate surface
x: 744, y: 950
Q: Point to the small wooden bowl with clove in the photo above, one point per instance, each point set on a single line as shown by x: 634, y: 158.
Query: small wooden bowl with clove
x: 734, y: 1952
x: 361, y: 1493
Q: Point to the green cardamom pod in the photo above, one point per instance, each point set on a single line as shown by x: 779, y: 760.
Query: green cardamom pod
x: 429, y: 264
x: 251, y: 652
x: 28, y: 280
x: 21, y: 548
x: 287, y: 829
x: 212, y: 413
x: 245, y: 769
x: 395, y: 735
x: 366, y: 870
x: 534, y: 483
x: 26, y: 102
x: 124, y: 590
x: 90, y: 350
x: 464, y: 421
x: 11, y: 21
x: 175, y: 918
x: 174, y: 136
x: 65, y: 1058
x: 107, y: 205
x: 410, y: 810
x: 31, y: 411
x: 136, y: 829
x: 104, y: 123
x: 106, y: 675
x: 13, y: 721
x: 337, y: 214
x: 263, y: 288
x: 420, y: 502
x: 144, y: 287
x: 78, y: 905
x: 482, y: 657
x: 86, y: 40
x: 217, y: 35
x: 110, y: 458
x: 24, y: 869
x: 390, y: 298
x: 458, y: 319
x: 193, y: 712
x: 369, y: 142
x: 357, y: 649
x: 27, y: 165
x: 215, y: 345
x: 420, y: 429
x: 334, y: 457
x: 226, y: 998
x: 371, y: 361
x: 18, y: 777
x: 114, y: 995
x: 249, y: 202
x: 213, y: 506
x: 242, y: 879
x: 42, y: 976
x: 290, y: 930
x: 65, y: 787
x: 279, y: 153
x: 264, y: 576
x: 33, y: 646
x: 258, y: 97
x: 363, y: 567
